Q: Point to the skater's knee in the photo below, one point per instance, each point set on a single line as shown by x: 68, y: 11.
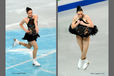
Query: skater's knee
x: 36, y: 48
x: 29, y: 47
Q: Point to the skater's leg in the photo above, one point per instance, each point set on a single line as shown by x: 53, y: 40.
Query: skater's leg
x: 85, y: 47
x: 35, y: 46
x: 80, y: 43
x: 22, y: 43
x: 26, y: 45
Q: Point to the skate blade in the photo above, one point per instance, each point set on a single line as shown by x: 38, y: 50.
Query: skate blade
x: 36, y: 65
x: 87, y: 66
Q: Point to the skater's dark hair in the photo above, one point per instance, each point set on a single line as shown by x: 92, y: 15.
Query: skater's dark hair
x: 79, y: 8
x: 28, y: 8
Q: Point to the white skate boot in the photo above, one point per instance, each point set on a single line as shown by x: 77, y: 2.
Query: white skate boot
x: 35, y: 62
x: 86, y: 64
x: 15, y: 42
x: 80, y: 62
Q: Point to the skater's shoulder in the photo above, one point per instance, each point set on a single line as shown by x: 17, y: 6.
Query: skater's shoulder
x: 25, y: 18
x: 35, y: 16
x: 86, y: 16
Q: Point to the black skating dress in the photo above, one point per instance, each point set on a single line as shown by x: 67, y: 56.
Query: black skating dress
x: 83, y: 31
x: 32, y: 35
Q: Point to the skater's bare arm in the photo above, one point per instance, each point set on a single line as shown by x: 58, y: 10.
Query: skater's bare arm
x: 75, y: 22
x: 21, y: 25
x: 36, y: 23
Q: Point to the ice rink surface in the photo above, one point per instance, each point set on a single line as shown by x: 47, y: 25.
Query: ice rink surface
x: 69, y: 51
x: 19, y: 58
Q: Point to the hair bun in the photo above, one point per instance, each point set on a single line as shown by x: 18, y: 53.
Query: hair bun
x: 79, y: 8
x: 28, y: 8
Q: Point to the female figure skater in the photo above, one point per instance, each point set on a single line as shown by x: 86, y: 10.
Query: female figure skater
x: 82, y: 27
x: 31, y: 34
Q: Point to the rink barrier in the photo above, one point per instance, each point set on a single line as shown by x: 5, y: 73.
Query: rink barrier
x: 75, y: 4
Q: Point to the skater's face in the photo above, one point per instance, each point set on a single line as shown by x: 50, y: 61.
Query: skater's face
x: 80, y: 14
x: 29, y: 13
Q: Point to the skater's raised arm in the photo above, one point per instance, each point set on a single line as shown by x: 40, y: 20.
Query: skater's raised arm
x: 21, y: 25
x: 75, y: 22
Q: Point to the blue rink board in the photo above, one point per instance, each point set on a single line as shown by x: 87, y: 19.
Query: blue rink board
x: 46, y: 44
x: 77, y: 3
